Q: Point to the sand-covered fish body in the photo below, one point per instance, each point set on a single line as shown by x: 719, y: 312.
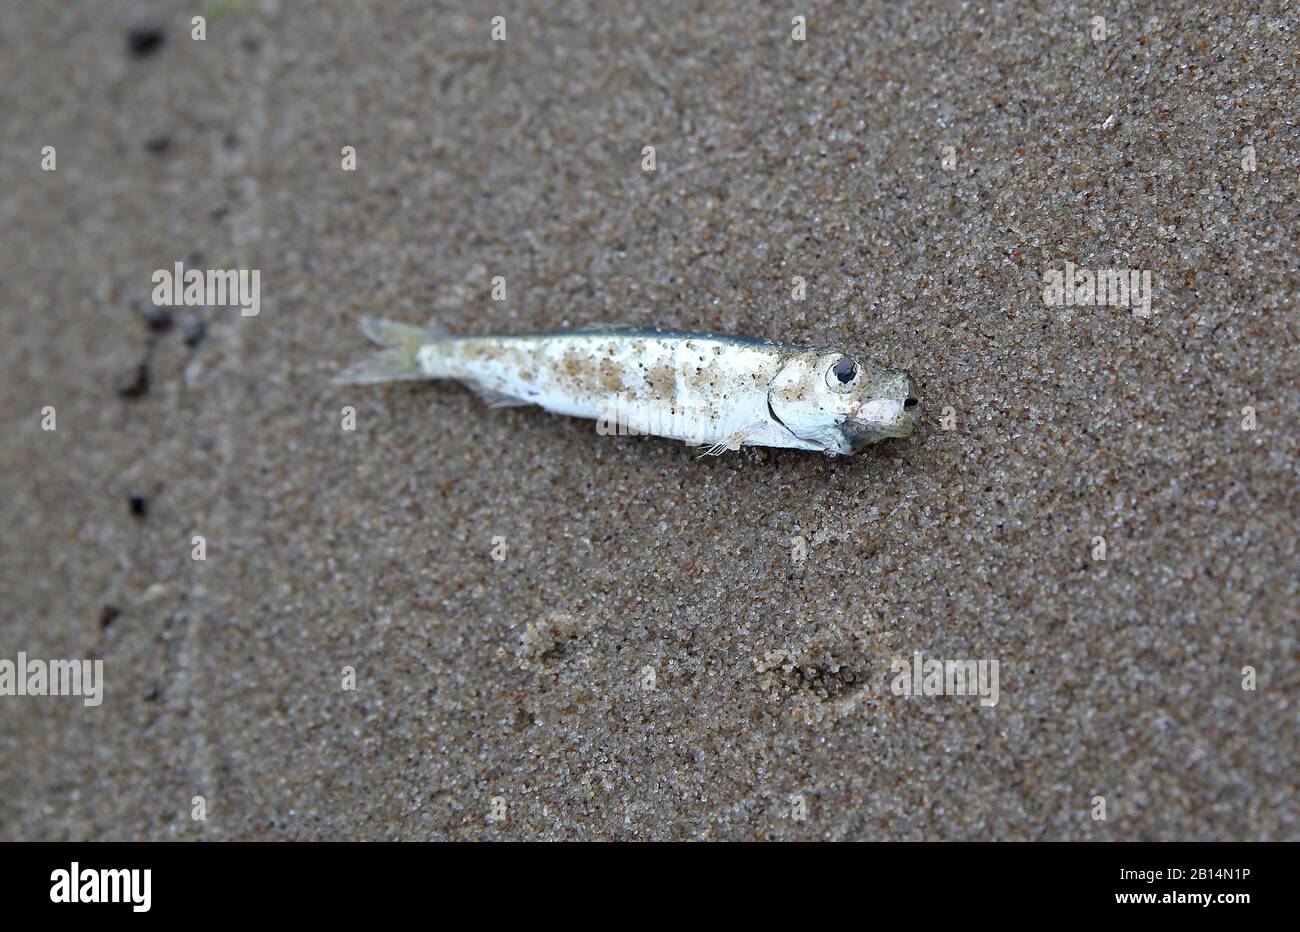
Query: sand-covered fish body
x: 721, y: 392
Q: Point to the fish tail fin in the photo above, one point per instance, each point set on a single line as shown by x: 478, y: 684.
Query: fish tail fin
x: 397, y: 361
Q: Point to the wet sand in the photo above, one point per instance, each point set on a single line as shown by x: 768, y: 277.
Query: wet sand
x: 669, y: 647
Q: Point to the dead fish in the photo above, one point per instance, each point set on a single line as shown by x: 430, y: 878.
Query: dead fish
x: 710, y: 390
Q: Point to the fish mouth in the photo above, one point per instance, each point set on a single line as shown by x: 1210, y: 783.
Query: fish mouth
x: 893, y: 417
x: 858, y: 434
x: 904, y: 426
x: 859, y: 431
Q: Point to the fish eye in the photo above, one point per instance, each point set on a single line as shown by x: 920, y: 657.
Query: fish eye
x: 843, y: 374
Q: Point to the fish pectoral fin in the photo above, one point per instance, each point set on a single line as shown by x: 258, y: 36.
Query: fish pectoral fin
x: 733, y: 442
x: 495, y: 399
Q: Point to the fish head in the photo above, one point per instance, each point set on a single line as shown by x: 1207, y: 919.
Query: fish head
x: 842, y: 402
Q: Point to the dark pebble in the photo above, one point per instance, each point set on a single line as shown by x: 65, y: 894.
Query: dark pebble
x: 151, y: 695
x: 159, y: 144
x: 138, y: 505
x: 193, y: 331
x: 108, y: 616
x: 143, y: 41
x: 158, y: 319
x: 134, y: 383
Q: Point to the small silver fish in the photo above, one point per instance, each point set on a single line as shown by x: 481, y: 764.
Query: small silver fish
x: 715, y: 391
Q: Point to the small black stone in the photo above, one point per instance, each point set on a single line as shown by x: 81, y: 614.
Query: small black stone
x: 158, y: 319
x: 134, y: 383
x: 193, y: 331
x: 143, y: 41
x: 151, y: 695
x: 108, y: 616
x: 139, y: 506
x: 159, y: 144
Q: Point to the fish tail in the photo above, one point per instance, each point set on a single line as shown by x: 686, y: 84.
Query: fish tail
x: 397, y: 361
